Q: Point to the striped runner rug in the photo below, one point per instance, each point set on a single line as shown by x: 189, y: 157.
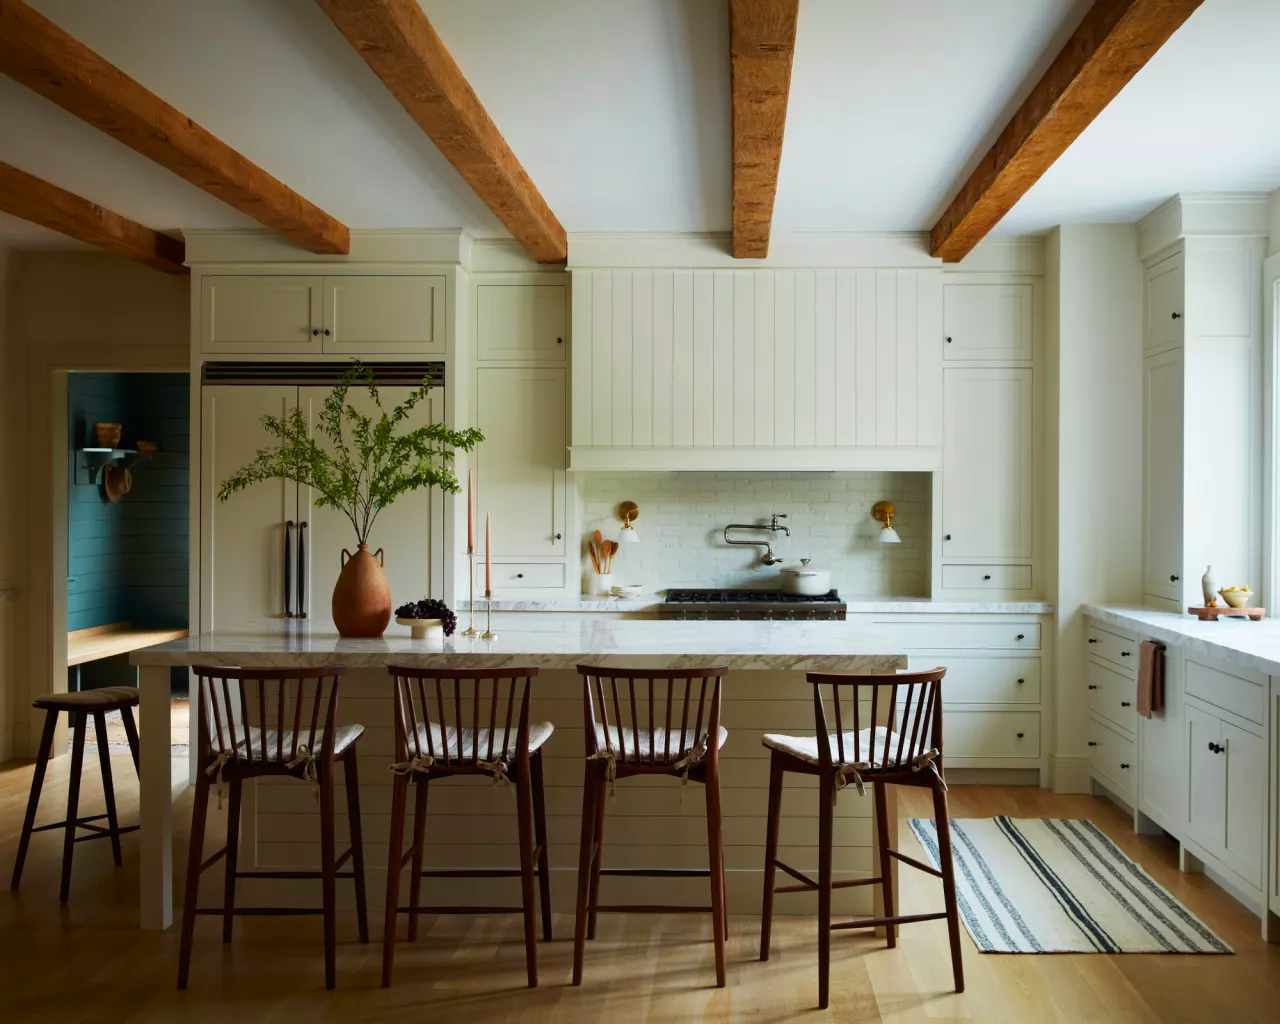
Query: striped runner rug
x: 1059, y: 885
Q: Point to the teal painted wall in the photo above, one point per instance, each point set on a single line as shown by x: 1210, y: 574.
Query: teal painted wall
x: 127, y: 560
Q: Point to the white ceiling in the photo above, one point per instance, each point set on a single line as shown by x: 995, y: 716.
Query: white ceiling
x: 620, y: 112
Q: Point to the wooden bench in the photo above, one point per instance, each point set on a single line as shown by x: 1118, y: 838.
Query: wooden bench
x: 98, y: 642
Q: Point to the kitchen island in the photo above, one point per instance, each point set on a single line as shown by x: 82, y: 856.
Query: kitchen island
x: 652, y: 825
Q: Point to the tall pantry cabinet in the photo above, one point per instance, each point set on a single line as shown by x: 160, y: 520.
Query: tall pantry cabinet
x: 1202, y: 417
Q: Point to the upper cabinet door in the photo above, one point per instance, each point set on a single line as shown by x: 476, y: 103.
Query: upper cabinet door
x: 366, y: 315
x: 520, y: 465
x: 521, y: 321
x: 988, y: 321
x: 243, y: 540
x: 1163, y: 476
x: 409, y: 531
x: 1165, y: 300
x: 987, y: 482
x: 240, y: 313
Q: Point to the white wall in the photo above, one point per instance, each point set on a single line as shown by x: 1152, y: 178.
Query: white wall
x: 683, y: 515
x: 1094, y: 452
x: 67, y: 311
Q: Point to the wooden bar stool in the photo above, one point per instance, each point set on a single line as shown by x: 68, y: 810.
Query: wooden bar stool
x: 638, y: 723
x: 80, y: 707
x: 263, y: 722
x: 861, y: 751
x: 458, y: 722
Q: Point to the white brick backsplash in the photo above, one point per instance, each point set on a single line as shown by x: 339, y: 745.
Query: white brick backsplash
x: 683, y: 515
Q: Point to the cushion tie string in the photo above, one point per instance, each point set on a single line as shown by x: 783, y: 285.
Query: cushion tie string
x: 216, y: 769
x: 929, y: 760
x: 610, y: 760
x: 498, y: 768
x: 308, y: 763
x: 844, y: 773
x: 414, y: 764
x: 695, y: 755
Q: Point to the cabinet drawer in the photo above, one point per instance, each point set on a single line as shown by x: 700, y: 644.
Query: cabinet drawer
x: 1221, y: 689
x: 979, y: 680
x: 509, y: 575
x: 986, y: 577
x: 1002, y: 636
x: 991, y: 734
x: 1113, y: 648
x: 1112, y: 755
x: 1113, y: 695
x: 521, y: 321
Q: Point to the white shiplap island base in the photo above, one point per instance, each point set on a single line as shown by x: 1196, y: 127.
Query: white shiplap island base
x: 472, y: 823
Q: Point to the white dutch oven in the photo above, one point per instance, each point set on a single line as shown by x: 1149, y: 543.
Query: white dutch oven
x: 805, y: 581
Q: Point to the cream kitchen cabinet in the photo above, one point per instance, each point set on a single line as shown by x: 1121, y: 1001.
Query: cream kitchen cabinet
x: 988, y: 473
x: 986, y: 321
x: 521, y: 321
x: 1163, y: 476
x: 1165, y: 312
x: 520, y: 466
x: 365, y: 314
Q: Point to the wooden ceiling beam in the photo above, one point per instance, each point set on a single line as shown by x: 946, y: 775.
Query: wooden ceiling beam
x: 33, y: 199
x: 762, y: 42
x: 1114, y: 41
x: 40, y: 55
x: 397, y: 41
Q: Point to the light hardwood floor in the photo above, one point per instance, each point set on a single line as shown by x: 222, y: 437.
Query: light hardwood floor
x: 88, y: 961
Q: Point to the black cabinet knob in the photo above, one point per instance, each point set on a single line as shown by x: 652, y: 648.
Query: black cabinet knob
x: 1093, y: 640
x: 1123, y: 765
x: 315, y: 332
x: 1020, y: 636
x: 1093, y: 686
x: 948, y: 340
x: 946, y: 536
x: 987, y: 577
x: 1021, y: 681
x: 1093, y: 743
x: 559, y: 341
x: 1020, y: 735
x: 1174, y: 579
x: 1125, y: 704
x: 558, y: 536
x: 1176, y: 316
x: 519, y: 575
x: 327, y: 332
x: 1126, y: 654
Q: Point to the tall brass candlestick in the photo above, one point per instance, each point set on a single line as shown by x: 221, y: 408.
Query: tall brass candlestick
x: 471, y: 599
x: 488, y: 633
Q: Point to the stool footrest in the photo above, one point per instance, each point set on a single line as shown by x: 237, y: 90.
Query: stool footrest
x: 642, y: 908
x: 262, y: 911
x: 292, y: 874
x: 875, y: 922
x: 81, y: 822
x: 471, y: 873
x: 919, y: 865
x: 847, y: 883
x: 658, y: 872
x: 105, y: 834
x: 461, y: 910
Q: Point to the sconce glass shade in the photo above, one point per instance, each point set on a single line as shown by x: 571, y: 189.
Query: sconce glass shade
x: 628, y: 535
x: 888, y: 535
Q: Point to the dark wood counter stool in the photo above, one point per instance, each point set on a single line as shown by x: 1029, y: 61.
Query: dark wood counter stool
x: 638, y: 722
x: 458, y: 722
x: 80, y: 707
x: 859, y: 751
x: 262, y: 722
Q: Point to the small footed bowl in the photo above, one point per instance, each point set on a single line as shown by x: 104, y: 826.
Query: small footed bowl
x: 424, y: 629
x: 1236, y: 598
x: 628, y: 590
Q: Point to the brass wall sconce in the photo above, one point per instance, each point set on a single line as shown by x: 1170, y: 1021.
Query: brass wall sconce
x: 627, y: 512
x: 883, y: 512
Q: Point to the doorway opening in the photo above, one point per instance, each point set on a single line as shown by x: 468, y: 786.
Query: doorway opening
x: 127, y: 518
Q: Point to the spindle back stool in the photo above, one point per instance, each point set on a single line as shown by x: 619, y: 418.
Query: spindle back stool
x: 884, y: 731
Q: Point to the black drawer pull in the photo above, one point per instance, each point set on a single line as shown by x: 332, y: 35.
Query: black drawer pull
x: 1093, y: 743
x: 1020, y: 636
x: 1126, y: 654
x: 987, y: 577
x: 519, y: 575
x: 1093, y: 639
x: 1021, y: 681
x: 559, y: 341
x: 1093, y: 686
x: 1020, y: 735
x: 1123, y: 765
x: 1173, y: 579
x: 947, y: 537
x: 1125, y: 704
x: 949, y: 339
x: 1175, y: 316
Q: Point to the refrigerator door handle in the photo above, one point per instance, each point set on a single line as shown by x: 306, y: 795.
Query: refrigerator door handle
x: 288, y: 569
x: 302, y: 570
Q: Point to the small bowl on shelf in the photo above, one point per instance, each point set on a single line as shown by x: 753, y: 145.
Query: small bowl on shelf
x: 423, y: 629
x: 628, y: 590
x: 1236, y: 598
x: 107, y: 435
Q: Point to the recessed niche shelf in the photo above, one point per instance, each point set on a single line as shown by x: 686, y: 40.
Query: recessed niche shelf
x: 90, y: 462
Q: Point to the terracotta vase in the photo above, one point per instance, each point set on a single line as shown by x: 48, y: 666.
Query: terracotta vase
x: 361, y: 598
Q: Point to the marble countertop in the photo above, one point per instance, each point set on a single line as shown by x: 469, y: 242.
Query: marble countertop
x: 856, y: 605
x: 1250, y: 645
x: 547, y: 642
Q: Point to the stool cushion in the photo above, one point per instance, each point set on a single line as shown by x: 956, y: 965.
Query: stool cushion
x: 101, y: 699
x: 440, y: 741
x: 870, y: 748
x: 625, y: 743
x: 343, y: 737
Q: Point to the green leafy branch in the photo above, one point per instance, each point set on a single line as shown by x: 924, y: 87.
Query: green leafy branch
x: 365, y: 464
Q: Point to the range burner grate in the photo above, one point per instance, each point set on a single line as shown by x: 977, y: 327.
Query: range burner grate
x: 747, y: 597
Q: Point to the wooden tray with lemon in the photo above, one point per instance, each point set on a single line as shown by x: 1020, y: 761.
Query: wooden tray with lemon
x: 1235, y: 605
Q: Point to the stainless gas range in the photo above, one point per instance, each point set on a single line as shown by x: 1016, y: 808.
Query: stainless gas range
x: 749, y: 604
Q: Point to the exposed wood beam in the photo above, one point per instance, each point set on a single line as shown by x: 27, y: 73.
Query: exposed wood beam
x: 762, y: 43
x: 35, y: 200
x: 40, y: 55
x: 1114, y: 41
x: 397, y: 41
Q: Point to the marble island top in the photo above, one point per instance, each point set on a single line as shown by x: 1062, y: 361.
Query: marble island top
x: 547, y: 641
x: 651, y: 601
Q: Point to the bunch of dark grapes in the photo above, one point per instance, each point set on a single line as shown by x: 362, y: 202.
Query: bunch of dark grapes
x: 429, y: 608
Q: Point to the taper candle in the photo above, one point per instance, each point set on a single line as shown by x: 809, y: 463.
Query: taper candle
x: 488, y: 557
x: 471, y: 513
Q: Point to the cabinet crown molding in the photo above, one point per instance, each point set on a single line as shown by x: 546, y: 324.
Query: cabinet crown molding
x: 1206, y: 214
x: 713, y: 251
x: 392, y: 245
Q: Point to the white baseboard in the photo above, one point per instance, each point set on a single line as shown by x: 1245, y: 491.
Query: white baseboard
x: 993, y: 776
x: 1069, y: 773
